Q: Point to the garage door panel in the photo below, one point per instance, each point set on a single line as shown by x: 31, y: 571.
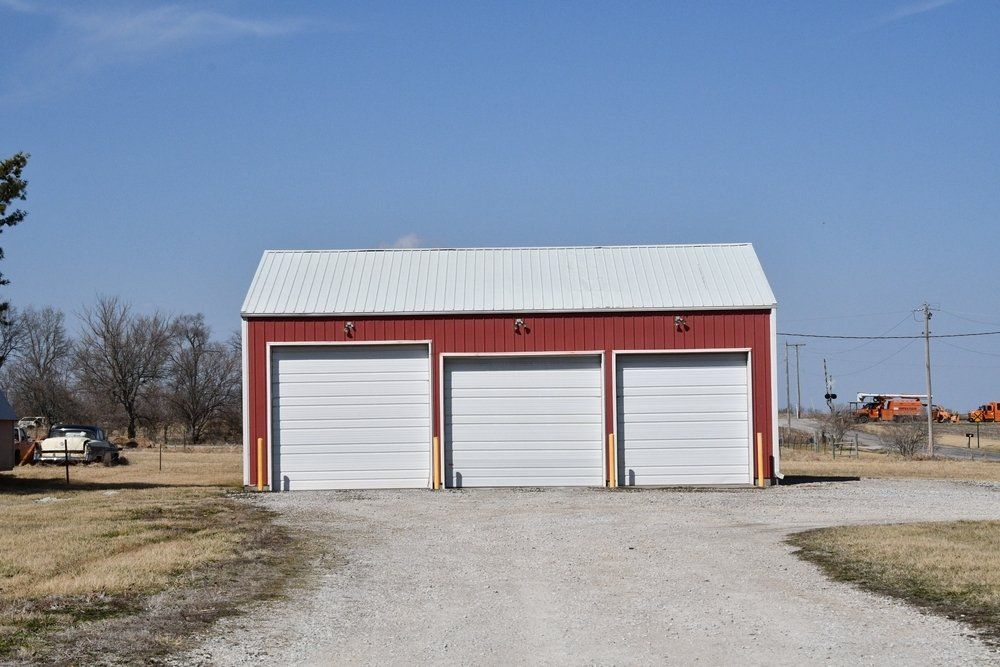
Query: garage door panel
x: 350, y: 399
x: 494, y: 444
x: 670, y: 430
x: 522, y: 392
x: 301, y: 359
x: 406, y: 437
x: 701, y: 443
x: 514, y: 433
x: 682, y: 476
x: 356, y: 376
x: 704, y: 391
x: 684, y: 377
x: 540, y: 372
x: 351, y: 388
x: 542, y: 405
x: 333, y: 414
x: 379, y: 463
x: 686, y: 404
x: 683, y: 419
x: 363, y: 480
x: 523, y: 477
x: 532, y: 459
x: 523, y: 421
x: 650, y: 459
x: 669, y: 414
x: 289, y: 449
x: 538, y: 419
x: 350, y: 416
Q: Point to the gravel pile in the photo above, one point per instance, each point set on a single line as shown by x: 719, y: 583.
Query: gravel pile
x: 592, y: 576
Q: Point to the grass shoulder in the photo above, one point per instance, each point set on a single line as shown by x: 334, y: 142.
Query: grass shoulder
x: 950, y: 568
x: 806, y: 462
x: 126, y: 563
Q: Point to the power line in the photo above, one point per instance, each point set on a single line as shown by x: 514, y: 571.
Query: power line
x: 847, y: 317
x: 879, y: 363
x: 869, y: 342
x: 969, y: 349
x: 969, y: 319
x: 961, y: 335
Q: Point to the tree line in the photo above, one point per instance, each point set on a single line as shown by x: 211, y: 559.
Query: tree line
x: 123, y: 370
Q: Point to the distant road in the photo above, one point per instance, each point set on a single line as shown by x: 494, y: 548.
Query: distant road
x: 872, y: 442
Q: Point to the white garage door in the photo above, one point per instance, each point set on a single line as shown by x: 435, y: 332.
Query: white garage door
x: 683, y: 419
x: 350, y: 417
x: 523, y: 421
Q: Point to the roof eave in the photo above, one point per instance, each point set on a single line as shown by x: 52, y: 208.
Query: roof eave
x: 469, y: 313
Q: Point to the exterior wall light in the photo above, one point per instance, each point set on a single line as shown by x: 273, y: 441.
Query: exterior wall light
x: 349, y: 329
x: 518, y: 325
x: 680, y: 323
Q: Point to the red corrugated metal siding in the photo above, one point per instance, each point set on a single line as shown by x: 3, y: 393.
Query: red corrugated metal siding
x: 548, y: 333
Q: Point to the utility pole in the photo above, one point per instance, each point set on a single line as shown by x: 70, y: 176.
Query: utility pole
x: 788, y: 390
x: 798, y: 382
x: 930, y: 396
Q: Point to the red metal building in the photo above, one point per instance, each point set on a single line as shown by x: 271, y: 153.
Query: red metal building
x: 647, y: 365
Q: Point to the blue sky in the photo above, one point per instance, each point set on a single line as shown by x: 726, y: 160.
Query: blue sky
x: 857, y: 145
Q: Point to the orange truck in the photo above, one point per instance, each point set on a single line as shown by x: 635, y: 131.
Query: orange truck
x: 990, y: 412
x: 889, y: 408
x: 942, y: 415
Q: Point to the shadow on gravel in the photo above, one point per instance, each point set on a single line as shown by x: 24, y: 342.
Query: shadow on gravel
x: 792, y: 480
x: 32, y: 485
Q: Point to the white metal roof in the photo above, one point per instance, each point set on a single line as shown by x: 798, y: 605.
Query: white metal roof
x: 507, y: 280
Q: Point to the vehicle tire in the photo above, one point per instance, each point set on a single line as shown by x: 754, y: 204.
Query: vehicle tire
x: 863, y: 419
x: 108, y: 459
x: 121, y: 460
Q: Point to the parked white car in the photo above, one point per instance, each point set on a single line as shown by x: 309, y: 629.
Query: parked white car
x: 78, y: 444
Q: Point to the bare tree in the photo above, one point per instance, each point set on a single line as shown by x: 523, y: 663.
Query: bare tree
x: 39, y: 378
x: 904, y: 438
x: 838, y: 422
x: 231, y: 419
x: 202, y: 375
x: 122, y: 354
x: 11, y: 334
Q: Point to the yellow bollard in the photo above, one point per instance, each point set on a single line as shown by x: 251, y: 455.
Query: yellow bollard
x: 760, y: 460
x: 260, y: 464
x: 437, y: 464
x: 612, y: 463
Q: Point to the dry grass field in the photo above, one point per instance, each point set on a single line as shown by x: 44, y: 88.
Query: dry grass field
x: 77, y: 560
x: 809, y: 463
x: 953, y: 435
x: 950, y: 568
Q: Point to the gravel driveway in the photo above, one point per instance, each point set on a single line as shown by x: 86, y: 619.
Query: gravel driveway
x: 591, y: 576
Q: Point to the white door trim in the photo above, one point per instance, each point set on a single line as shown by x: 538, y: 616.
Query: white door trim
x: 308, y: 343
x: 714, y: 350
x: 587, y: 353
x: 245, y: 364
